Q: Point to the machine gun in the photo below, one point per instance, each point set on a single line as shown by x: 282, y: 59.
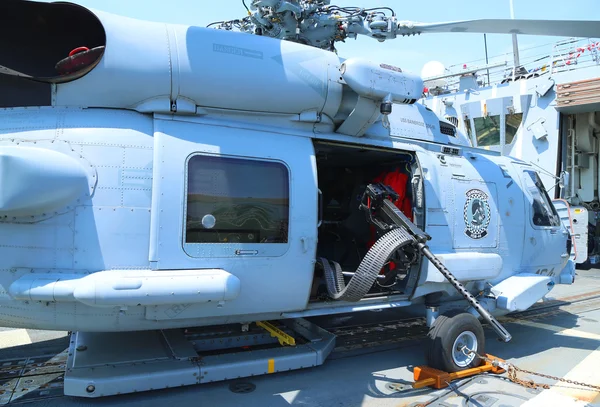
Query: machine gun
x: 377, y: 202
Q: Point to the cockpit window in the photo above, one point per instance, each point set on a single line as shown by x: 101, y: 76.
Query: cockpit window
x: 544, y: 213
x: 234, y: 200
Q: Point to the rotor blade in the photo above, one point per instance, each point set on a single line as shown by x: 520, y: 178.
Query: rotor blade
x: 559, y: 28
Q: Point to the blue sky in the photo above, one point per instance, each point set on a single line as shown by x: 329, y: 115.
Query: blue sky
x: 408, y: 53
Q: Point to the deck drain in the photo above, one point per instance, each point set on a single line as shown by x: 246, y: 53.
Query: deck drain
x: 242, y: 387
x: 398, y: 387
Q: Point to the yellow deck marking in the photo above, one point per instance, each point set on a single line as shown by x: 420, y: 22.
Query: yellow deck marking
x: 562, y: 331
x: 548, y: 398
x: 15, y: 337
x: 271, y: 366
x: 586, y: 371
x: 566, y: 394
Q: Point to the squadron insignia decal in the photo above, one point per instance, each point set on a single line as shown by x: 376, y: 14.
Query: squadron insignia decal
x: 476, y: 214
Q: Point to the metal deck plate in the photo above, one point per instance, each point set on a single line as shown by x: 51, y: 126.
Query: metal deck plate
x: 104, y: 364
x: 32, y: 378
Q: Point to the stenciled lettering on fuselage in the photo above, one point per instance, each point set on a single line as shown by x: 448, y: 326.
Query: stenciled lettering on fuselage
x: 477, y: 214
x: 417, y: 123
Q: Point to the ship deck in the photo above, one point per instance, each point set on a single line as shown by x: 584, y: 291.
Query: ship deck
x: 371, y: 365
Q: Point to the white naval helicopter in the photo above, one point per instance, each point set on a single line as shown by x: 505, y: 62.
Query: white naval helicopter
x: 159, y: 177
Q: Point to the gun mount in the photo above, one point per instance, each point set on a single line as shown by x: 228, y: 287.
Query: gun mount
x: 381, y: 212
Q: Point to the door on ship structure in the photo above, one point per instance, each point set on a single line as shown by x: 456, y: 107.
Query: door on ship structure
x: 239, y: 200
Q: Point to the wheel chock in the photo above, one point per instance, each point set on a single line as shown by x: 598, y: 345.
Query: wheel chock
x: 426, y: 376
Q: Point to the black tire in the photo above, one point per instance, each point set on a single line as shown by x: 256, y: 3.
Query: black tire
x: 586, y: 265
x: 445, y: 330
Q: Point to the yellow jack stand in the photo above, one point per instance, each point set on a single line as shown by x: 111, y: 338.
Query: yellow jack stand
x: 428, y: 377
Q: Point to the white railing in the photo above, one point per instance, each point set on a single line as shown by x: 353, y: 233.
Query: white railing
x: 565, y: 55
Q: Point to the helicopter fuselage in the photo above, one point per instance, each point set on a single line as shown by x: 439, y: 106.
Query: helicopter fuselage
x: 198, y: 180
x: 133, y: 210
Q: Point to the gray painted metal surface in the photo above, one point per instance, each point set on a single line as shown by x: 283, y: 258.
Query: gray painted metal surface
x: 106, y: 364
x: 117, y: 257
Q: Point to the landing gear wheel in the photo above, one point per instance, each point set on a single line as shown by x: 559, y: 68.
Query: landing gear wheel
x: 447, y: 336
x: 586, y: 265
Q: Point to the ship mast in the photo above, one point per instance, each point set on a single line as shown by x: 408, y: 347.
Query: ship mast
x: 515, y: 43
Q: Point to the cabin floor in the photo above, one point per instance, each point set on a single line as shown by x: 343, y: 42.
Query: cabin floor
x: 374, y: 357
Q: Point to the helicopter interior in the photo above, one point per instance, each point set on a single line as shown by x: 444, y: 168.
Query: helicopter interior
x: 49, y: 43
x: 345, y: 235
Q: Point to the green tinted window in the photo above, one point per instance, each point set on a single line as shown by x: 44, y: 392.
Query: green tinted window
x: 487, y: 130
x: 513, y: 121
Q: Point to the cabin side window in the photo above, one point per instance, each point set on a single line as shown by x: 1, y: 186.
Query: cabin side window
x: 236, y: 200
x: 544, y: 213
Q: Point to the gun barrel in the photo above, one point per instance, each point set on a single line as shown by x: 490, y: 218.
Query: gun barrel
x: 500, y: 330
x: 391, y: 216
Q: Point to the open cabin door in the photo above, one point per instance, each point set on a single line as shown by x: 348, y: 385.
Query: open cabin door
x: 236, y: 200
